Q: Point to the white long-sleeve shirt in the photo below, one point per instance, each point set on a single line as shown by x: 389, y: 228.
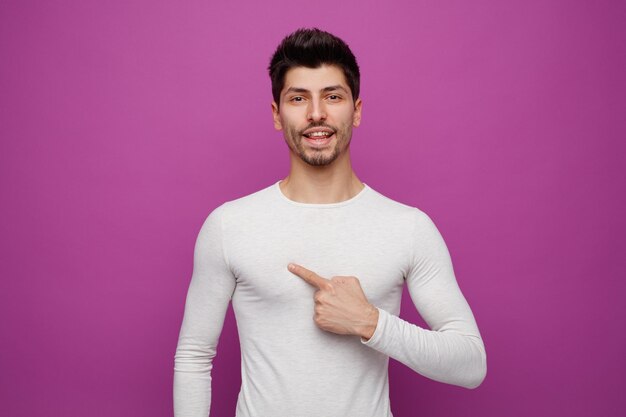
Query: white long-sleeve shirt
x: 289, y: 366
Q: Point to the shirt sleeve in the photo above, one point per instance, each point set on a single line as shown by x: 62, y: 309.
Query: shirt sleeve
x: 452, y: 351
x: 210, y: 290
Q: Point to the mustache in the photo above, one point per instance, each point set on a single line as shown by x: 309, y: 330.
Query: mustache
x: 318, y: 124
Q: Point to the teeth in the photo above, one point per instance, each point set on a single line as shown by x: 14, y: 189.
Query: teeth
x: 319, y: 134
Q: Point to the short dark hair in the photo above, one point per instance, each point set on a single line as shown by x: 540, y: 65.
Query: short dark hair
x: 312, y: 48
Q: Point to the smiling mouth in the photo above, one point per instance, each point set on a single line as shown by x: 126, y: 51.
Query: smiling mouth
x: 319, y: 140
x: 322, y: 134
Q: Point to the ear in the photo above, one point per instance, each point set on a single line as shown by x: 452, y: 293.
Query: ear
x: 356, y: 117
x: 277, y: 124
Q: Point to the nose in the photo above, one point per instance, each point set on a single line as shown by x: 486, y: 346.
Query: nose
x: 316, y: 111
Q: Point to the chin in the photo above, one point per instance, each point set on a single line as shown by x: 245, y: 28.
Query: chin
x: 319, y: 160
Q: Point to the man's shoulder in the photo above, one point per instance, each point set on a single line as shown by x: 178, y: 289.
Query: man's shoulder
x: 246, y: 203
x: 261, y: 196
x: 395, y: 214
x: 391, y: 206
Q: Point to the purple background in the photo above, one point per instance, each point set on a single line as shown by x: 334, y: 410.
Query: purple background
x: 123, y: 124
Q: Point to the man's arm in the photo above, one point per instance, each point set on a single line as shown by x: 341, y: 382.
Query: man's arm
x: 212, y: 285
x: 453, y: 351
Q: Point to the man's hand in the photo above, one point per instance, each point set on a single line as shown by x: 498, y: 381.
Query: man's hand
x: 340, y: 304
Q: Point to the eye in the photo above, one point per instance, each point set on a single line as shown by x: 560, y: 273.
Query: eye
x: 297, y: 99
x: 334, y: 97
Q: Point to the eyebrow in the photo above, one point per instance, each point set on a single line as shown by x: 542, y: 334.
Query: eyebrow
x: 323, y: 90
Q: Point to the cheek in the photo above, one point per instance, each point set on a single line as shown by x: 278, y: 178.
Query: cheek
x: 347, y: 123
x: 289, y: 123
x: 292, y: 131
x: 290, y: 115
x: 347, y: 118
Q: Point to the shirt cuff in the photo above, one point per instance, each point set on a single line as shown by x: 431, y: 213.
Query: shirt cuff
x: 382, y: 320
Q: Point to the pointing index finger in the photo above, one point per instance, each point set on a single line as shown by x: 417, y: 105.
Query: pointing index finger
x: 309, y: 276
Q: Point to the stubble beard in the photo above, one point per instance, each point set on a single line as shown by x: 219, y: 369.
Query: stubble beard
x: 315, y: 157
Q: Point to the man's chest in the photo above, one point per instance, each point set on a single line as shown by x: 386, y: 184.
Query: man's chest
x: 259, y: 252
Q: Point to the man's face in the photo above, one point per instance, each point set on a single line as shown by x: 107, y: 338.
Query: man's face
x: 317, y: 113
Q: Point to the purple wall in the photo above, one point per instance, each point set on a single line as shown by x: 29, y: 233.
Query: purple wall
x: 123, y: 124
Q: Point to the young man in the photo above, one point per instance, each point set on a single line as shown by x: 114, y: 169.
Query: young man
x: 314, y: 265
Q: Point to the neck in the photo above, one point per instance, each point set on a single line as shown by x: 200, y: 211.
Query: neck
x: 321, y: 184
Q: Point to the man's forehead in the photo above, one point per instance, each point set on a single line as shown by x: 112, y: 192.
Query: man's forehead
x: 314, y: 78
